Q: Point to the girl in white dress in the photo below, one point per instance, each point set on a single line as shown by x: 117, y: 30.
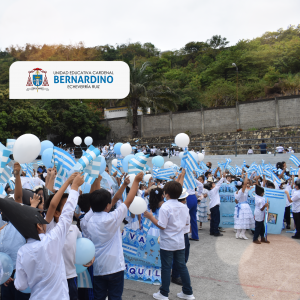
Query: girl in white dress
x: 202, y: 210
x: 243, y: 217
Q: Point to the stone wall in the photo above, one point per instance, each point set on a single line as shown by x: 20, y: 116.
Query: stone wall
x: 278, y: 112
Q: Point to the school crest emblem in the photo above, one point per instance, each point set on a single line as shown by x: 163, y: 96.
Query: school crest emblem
x: 37, y: 80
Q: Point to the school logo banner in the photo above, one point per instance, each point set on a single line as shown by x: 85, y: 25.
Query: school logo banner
x: 69, y: 80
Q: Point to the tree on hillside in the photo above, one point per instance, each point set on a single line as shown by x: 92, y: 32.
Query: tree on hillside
x: 145, y: 92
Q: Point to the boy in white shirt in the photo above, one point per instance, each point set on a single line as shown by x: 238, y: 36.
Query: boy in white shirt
x: 172, y: 221
x: 214, y: 205
x: 40, y: 264
x: 104, y: 232
x: 295, y: 200
x: 259, y: 215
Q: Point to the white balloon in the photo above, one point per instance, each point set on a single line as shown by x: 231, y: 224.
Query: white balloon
x: 182, y: 140
x: 26, y: 148
x: 181, y: 154
x: 77, y: 140
x: 138, y: 206
x: 168, y: 164
x: 200, y: 156
x: 126, y: 149
x: 88, y: 140
x: 147, y: 177
x: 114, y: 162
x: 131, y: 178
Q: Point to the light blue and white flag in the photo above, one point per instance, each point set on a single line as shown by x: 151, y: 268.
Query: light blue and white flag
x: 89, y: 156
x: 137, y: 164
x: 93, y: 169
x: 277, y: 180
x: 64, y: 158
x: 163, y: 174
x: 119, y: 163
x: 5, y: 175
x: 114, y: 169
x: 59, y: 180
x: 10, y: 144
x: 5, y: 158
x: 203, y: 166
x: 259, y: 170
x: 189, y: 180
x: 231, y: 170
x: 226, y: 165
x: 39, y: 163
x: 11, y: 184
x: 238, y: 171
x: 295, y: 160
x: 293, y: 171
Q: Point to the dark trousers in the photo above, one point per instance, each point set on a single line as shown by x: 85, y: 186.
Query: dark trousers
x: 296, y: 217
x: 73, y: 291
x: 259, y: 230
x: 287, y: 215
x: 175, y: 271
x: 167, y: 258
x: 109, y: 285
x: 11, y: 293
x: 214, y: 219
x: 191, y: 202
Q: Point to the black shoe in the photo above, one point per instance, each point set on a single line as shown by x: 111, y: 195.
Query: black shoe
x: 296, y: 237
x: 177, y: 281
x: 218, y: 234
x: 191, y: 239
x: 288, y: 227
x: 211, y: 234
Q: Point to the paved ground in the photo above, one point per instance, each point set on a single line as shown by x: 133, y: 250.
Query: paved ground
x: 228, y: 268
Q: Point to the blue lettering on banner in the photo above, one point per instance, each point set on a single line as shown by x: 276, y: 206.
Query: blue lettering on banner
x: 56, y: 79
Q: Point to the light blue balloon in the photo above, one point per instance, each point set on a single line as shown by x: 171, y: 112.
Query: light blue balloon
x: 27, y: 291
x: 85, y: 251
x: 7, y: 266
x: 117, y: 148
x: 80, y: 268
x: 139, y: 154
x: 158, y: 161
x: 181, y: 154
x: 47, y: 157
x: 125, y: 162
x: 45, y: 145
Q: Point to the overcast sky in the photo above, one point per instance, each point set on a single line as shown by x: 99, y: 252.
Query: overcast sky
x: 168, y: 24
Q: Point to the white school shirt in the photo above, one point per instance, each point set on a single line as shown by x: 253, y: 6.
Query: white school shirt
x: 69, y: 249
x: 30, y: 183
x: 214, y: 194
x: 199, y: 188
x: 259, y: 203
x: 83, y: 223
x: 104, y: 231
x: 40, y: 264
x: 287, y: 202
x: 174, y: 217
x: 296, y: 201
x: 279, y: 149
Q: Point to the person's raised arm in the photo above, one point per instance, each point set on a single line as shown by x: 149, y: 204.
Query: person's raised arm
x: 18, y: 193
x: 134, y: 189
x: 181, y: 178
x: 96, y: 184
x: 118, y: 194
x: 216, y: 172
x: 50, y: 178
x: 245, y: 183
x: 56, y: 198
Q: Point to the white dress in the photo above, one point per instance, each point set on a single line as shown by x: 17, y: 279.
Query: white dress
x: 202, y: 207
x: 243, y: 216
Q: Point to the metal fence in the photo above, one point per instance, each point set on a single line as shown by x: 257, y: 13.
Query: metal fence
x: 233, y: 147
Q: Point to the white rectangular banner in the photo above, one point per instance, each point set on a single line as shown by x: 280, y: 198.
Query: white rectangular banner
x: 69, y: 80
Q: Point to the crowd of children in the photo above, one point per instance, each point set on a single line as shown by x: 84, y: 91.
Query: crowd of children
x: 40, y: 235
